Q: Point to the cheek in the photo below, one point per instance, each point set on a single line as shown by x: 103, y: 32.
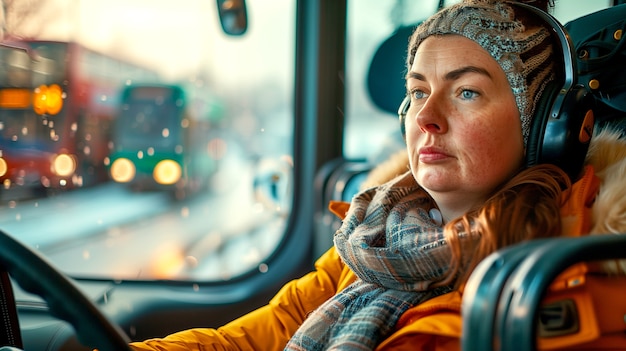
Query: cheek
x: 494, y: 148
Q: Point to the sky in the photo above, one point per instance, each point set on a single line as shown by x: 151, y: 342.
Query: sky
x: 172, y: 36
x: 176, y: 37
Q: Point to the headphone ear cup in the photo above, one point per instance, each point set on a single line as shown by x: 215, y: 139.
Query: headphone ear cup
x: 538, y: 124
x: 563, y: 138
x: 402, y: 111
x: 563, y: 119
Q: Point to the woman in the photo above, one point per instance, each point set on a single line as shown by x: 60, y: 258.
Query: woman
x: 393, y: 280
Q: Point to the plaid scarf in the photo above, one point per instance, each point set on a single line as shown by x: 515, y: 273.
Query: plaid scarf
x: 397, y: 251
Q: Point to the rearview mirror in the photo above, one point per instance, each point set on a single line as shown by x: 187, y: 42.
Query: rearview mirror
x: 233, y: 16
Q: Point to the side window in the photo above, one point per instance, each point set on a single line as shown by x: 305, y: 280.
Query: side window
x: 376, y: 49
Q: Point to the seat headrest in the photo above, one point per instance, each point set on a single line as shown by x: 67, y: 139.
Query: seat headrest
x: 385, y: 78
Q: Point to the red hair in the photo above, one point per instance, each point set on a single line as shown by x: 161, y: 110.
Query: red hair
x: 526, y: 207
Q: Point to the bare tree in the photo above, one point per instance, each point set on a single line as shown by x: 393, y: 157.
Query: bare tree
x: 27, y: 18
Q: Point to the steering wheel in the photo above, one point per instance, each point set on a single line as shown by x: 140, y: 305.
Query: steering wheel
x: 65, y: 301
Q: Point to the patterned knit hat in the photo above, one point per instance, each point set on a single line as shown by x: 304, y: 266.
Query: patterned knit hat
x: 523, y: 49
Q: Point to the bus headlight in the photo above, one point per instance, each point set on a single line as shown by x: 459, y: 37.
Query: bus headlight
x: 48, y: 99
x: 3, y: 167
x: 63, y: 165
x: 123, y: 170
x: 167, y: 172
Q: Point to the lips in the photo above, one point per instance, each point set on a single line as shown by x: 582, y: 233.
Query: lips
x: 432, y: 154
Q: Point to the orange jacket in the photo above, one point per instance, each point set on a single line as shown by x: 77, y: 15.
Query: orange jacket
x: 433, y: 325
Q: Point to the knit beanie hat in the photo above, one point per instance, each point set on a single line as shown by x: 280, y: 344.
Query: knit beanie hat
x: 523, y: 49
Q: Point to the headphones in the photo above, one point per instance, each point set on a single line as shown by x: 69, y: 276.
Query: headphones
x: 563, y: 120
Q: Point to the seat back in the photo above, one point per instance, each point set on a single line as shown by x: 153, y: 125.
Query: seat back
x: 601, y: 59
x: 338, y: 180
x: 502, y: 304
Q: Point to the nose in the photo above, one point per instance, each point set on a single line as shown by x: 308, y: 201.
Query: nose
x: 431, y: 116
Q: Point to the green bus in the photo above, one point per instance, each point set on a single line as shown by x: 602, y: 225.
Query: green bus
x: 162, y: 140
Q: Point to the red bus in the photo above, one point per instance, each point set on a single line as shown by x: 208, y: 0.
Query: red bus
x: 57, y: 105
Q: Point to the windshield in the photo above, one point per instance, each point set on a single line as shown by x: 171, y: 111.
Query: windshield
x: 49, y: 61
x: 220, y: 206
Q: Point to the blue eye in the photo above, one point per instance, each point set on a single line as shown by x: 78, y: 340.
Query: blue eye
x: 468, y: 94
x: 418, y: 94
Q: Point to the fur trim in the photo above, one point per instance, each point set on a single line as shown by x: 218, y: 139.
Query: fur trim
x: 607, y: 154
x: 396, y: 164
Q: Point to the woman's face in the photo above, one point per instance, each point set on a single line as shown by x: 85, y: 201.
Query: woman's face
x: 463, y: 129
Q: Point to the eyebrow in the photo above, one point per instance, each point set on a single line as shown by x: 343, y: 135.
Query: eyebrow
x: 454, y: 74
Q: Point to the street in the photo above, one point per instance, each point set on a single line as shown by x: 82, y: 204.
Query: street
x: 109, y: 231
